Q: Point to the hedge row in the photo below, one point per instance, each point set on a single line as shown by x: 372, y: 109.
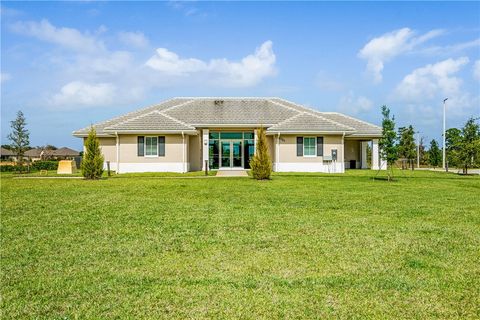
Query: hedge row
x: 10, y: 168
x: 36, y: 166
x: 45, y: 165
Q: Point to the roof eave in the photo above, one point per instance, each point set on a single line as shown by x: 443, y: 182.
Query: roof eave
x: 271, y: 132
x: 365, y: 135
x: 187, y: 131
x: 85, y: 134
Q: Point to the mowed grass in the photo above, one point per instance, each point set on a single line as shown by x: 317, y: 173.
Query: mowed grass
x: 298, y: 246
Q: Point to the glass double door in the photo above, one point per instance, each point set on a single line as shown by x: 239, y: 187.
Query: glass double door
x: 231, y: 154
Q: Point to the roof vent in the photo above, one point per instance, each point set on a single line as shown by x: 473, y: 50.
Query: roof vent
x: 218, y: 102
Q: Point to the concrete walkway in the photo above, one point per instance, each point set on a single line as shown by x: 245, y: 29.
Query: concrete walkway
x: 232, y: 173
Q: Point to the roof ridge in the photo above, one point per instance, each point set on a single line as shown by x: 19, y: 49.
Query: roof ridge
x: 178, y: 105
x: 126, y: 114
x: 145, y: 115
x: 131, y: 119
x: 228, y: 97
x: 350, y: 117
x: 282, y: 105
x: 333, y: 121
x: 314, y: 113
x: 175, y: 119
x: 286, y: 120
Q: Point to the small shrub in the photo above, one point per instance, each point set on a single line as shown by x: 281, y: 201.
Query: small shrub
x: 261, y: 164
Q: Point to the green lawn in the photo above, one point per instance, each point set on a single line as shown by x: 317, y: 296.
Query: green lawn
x: 298, y: 246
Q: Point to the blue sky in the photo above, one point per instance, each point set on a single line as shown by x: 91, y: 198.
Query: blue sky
x: 66, y: 65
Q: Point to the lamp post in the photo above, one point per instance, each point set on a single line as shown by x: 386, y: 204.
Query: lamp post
x: 444, y: 107
x: 418, y: 149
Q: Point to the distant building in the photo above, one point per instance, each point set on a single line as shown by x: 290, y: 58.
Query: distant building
x: 58, y: 154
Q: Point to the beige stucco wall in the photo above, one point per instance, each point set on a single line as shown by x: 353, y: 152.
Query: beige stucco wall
x: 271, y: 147
x: 288, y: 148
x: 173, y: 150
x: 352, y: 150
x: 195, y: 152
x: 107, y: 147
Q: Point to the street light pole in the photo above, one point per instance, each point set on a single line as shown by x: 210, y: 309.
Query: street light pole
x: 444, y: 149
x: 418, y: 149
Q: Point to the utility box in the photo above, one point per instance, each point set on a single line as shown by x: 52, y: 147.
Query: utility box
x: 334, y: 154
x: 353, y: 164
x: 66, y: 167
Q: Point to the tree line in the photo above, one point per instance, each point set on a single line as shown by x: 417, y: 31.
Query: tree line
x: 462, y: 146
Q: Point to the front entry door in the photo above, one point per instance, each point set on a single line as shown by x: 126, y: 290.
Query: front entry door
x: 226, y: 154
x: 231, y: 156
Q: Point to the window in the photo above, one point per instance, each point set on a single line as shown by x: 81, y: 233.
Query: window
x: 151, y: 146
x: 231, y: 135
x: 309, y: 147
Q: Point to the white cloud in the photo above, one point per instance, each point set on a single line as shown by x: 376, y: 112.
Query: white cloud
x: 133, y: 39
x: 65, y: 37
x: 433, y: 79
x: 170, y: 63
x: 476, y: 70
x: 451, y: 49
x: 328, y: 82
x: 81, y: 94
x: 4, y: 77
x: 389, y: 45
x: 247, y: 72
x: 352, y: 104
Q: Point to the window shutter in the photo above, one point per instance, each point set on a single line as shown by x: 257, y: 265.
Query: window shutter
x: 320, y: 146
x: 299, y: 146
x: 140, y: 146
x: 161, y: 146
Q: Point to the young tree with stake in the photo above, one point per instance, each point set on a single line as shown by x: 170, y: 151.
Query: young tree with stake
x: 92, y: 163
x: 20, y: 137
x: 388, y: 148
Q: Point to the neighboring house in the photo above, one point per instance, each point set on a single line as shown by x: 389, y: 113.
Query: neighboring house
x: 37, y: 154
x: 182, y: 134
x: 6, y: 154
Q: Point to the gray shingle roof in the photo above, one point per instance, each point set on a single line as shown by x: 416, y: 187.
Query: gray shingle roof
x: 231, y: 111
x: 362, y: 128
x: 60, y: 152
x: 187, y: 114
x: 153, y: 120
x: 306, y: 121
x: 6, y: 152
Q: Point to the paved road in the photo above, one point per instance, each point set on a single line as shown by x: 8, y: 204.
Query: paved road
x: 470, y: 171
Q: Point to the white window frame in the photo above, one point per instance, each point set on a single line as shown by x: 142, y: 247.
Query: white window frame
x: 315, y: 145
x: 145, y: 147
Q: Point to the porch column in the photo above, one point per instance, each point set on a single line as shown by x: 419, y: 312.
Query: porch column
x: 277, y: 151
x: 375, y: 155
x: 117, y: 169
x: 204, y: 142
x: 255, y: 138
x: 364, y: 145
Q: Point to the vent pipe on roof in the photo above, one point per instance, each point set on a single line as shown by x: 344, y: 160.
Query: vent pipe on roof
x: 218, y: 102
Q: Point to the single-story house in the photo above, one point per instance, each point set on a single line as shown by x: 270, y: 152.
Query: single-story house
x: 185, y: 134
x: 6, y: 154
x: 37, y: 154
